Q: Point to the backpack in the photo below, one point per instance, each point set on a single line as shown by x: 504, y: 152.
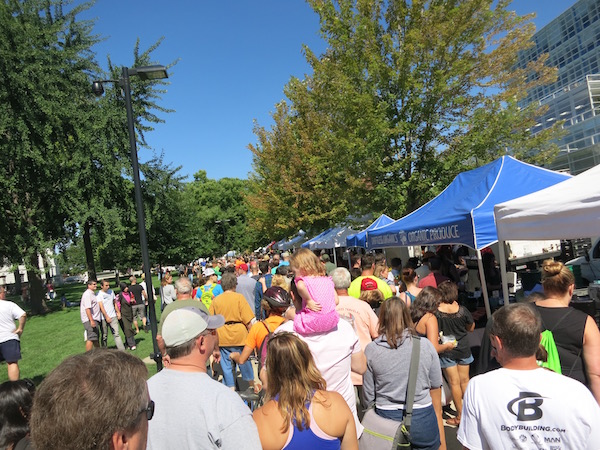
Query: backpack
x: 553, y: 361
x: 207, y: 295
x: 547, y: 341
x: 262, y: 351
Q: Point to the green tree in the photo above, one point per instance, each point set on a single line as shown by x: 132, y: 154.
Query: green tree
x: 211, y: 201
x: 168, y: 221
x: 104, y: 169
x: 407, y: 95
x: 45, y: 61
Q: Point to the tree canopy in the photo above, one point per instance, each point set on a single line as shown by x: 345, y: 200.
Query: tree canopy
x: 407, y: 95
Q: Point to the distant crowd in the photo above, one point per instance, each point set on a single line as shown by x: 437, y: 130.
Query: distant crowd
x: 290, y: 351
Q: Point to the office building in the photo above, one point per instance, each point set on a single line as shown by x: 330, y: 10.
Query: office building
x: 572, y: 41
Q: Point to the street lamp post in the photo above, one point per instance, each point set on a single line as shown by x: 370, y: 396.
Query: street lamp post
x: 145, y: 73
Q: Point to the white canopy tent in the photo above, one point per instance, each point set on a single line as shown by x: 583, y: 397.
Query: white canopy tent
x: 567, y: 210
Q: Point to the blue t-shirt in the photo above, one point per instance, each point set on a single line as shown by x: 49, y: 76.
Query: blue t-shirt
x: 216, y: 291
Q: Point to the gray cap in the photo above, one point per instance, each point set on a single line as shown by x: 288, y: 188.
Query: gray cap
x: 185, y: 324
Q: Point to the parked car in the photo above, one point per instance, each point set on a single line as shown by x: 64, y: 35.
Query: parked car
x: 74, y: 279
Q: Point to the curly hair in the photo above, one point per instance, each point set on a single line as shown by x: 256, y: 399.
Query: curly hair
x: 426, y: 302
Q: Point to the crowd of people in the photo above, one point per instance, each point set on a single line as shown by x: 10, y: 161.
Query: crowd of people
x: 315, y: 346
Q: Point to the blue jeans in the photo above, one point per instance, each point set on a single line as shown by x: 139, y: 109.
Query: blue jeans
x: 424, y: 431
x: 228, y: 366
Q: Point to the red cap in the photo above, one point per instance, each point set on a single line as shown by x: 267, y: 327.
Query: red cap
x: 368, y: 284
x: 243, y: 267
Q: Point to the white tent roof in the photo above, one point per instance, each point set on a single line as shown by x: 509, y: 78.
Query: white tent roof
x: 567, y: 210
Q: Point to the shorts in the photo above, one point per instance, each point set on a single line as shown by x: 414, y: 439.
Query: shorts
x: 446, y: 362
x: 10, y: 351
x: 90, y: 333
x: 139, y: 311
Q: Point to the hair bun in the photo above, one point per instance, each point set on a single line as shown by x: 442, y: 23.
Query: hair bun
x: 552, y: 268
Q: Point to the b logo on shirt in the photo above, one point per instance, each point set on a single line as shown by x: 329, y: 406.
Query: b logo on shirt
x: 528, y: 406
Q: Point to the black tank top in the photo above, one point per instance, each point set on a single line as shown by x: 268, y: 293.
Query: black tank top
x: 567, y: 326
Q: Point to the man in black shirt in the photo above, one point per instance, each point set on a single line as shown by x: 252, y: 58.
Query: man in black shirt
x: 141, y: 299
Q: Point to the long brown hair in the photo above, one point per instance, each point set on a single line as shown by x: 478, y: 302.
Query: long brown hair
x: 167, y: 279
x: 293, y: 376
x: 394, y: 319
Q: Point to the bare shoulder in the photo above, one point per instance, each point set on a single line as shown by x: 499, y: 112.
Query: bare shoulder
x: 331, y: 412
x: 269, y: 422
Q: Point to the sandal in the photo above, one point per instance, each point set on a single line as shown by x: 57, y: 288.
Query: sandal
x: 453, y: 421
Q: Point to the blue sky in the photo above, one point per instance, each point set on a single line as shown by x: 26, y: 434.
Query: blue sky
x: 234, y: 59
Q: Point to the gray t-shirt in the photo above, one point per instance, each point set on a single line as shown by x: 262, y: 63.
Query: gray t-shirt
x: 386, y: 378
x: 193, y: 411
x: 245, y: 286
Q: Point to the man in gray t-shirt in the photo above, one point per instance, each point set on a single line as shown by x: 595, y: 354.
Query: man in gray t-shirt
x: 245, y: 284
x: 193, y: 410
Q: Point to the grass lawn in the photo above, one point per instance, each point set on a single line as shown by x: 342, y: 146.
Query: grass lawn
x: 49, y: 339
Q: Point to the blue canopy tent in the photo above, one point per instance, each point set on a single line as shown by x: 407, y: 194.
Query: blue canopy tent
x: 316, y: 238
x: 331, y: 239
x: 359, y: 239
x: 464, y: 212
x: 298, y: 239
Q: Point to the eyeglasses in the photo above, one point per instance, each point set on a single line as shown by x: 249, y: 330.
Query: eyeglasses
x: 149, y: 410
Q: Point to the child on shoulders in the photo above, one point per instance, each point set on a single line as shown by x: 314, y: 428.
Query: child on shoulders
x: 319, y: 298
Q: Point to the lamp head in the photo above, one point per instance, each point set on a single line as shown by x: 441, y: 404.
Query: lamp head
x: 97, y: 88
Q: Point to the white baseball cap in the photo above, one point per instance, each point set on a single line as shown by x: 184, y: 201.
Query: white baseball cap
x: 185, y: 324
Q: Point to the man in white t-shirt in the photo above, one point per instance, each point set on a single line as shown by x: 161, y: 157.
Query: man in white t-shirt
x: 90, y: 315
x: 521, y: 405
x: 336, y: 353
x: 10, y: 345
x: 109, y: 315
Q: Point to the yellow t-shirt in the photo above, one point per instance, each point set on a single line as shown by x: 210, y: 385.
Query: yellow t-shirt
x: 258, y: 332
x: 237, y: 313
x: 354, y: 289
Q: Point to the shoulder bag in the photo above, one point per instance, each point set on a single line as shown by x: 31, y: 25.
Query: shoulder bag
x: 386, y: 434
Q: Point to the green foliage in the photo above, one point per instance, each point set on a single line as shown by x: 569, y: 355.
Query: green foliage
x: 44, y: 107
x: 407, y: 95
x: 168, y: 220
x: 209, y: 201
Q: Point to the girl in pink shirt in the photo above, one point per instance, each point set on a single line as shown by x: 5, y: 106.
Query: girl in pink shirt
x: 318, y: 294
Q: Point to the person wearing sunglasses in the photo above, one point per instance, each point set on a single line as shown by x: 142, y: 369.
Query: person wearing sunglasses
x: 95, y: 400
x: 193, y: 409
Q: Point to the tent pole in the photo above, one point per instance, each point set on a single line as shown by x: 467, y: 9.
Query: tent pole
x: 334, y: 257
x: 349, y: 259
x: 502, y: 257
x: 484, y: 291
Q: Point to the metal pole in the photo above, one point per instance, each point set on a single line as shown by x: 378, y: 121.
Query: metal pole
x: 486, y: 300
x: 502, y: 258
x: 140, y: 213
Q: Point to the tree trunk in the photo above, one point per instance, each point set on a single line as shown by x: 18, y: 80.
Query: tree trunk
x: 89, y: 251
x: 18, y: 286
x: 117, y: 279
x: 36, y: 289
